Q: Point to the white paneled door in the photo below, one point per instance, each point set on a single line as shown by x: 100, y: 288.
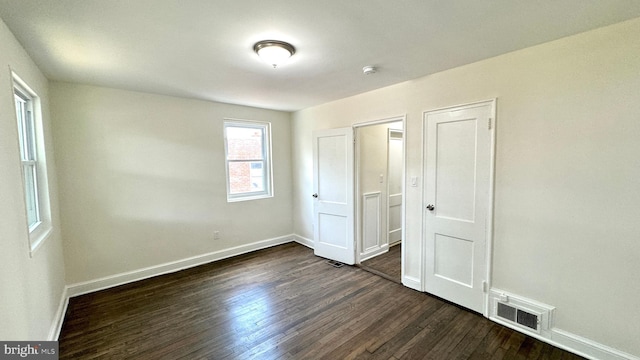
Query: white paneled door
x: 333, y: 185
x: 458, y: 164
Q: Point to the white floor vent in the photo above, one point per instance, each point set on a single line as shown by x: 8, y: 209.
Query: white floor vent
x: 521, y: 312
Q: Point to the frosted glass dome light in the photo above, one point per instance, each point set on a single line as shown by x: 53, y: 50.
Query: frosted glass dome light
x: 274, y: 52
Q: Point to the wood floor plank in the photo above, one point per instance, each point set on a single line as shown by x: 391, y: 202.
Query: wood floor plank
x: 472, y: 340
x: 282, y: 303
x: 435, y: 332
x: 388, y: 322
x: 415, y: 332
x: 451, y: 340
x: 387, y: 265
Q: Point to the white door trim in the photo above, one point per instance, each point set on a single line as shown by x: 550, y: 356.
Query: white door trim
x: 490, y: 209
x: 402, y: 118
x: 492, y: 174
x: 389, y: 195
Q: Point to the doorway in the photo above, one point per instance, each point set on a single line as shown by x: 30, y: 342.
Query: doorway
x: 379, y: 169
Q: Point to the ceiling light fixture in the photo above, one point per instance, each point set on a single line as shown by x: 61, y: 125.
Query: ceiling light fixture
x: 274, y: 52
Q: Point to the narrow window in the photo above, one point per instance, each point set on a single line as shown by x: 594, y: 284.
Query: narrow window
x: 248, y: 159
x: 33, y: 165
x: 27, y: 137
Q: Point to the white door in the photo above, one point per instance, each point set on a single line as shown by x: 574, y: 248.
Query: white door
x: 457, y: 188
x: 333, y: 234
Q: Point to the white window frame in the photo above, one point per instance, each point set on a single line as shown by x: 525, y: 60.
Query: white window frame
x: 266, y: 153
x: 33, y: 159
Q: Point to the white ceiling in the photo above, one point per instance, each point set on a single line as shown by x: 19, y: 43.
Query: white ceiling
x: 203, y: 48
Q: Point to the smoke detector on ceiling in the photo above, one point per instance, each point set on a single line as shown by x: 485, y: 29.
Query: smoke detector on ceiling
x: 368, y: 70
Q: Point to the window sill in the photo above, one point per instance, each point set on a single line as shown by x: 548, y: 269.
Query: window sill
x: 249, y: 197
x: 38, y: 237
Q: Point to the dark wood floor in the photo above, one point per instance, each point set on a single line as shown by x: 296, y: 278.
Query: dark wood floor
x: 282, y: 303
x: 387, y: 265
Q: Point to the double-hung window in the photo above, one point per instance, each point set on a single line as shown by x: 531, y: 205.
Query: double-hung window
x: 248, y: 159
x: 36, y: 192
x: 27, y: 136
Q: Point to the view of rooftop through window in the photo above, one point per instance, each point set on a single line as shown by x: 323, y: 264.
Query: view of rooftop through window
x: 247, y: 158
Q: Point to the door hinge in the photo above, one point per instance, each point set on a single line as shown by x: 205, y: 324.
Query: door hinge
x: 489, y: 124
x: 484, y: 287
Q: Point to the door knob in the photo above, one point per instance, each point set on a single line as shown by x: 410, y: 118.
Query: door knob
x: 315, y: 195
x: 430, y: 207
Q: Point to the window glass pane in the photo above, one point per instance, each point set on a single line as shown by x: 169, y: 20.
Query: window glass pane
x: 246, y: 176
x: 30, y: 136
x: 21, y: 126
x: 245, y: 143
x: 31, y: 193
x: 257, y: 176
x: 26, y: 127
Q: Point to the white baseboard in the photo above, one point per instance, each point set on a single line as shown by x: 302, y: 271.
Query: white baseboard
x: 145, y: 273
x: 56, y: 327
x: 588, y: 348
x: 395, y: 236
x: 573, y: 343
x: 563, y: 339
x: 412, y: 282
x: 303, y: 241
x: 373, y: 253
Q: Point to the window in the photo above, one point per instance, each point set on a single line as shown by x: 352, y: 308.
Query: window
x: 36, y: 193
x: 248, y: 159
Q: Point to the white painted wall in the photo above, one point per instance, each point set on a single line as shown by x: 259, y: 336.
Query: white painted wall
x: 142, y: 179
x: 32, y: 288
x: 567, y: 170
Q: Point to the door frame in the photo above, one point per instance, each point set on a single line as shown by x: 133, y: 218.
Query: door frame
x: 490, y: 205
x: 403, y: 133
x: 358, y: 204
